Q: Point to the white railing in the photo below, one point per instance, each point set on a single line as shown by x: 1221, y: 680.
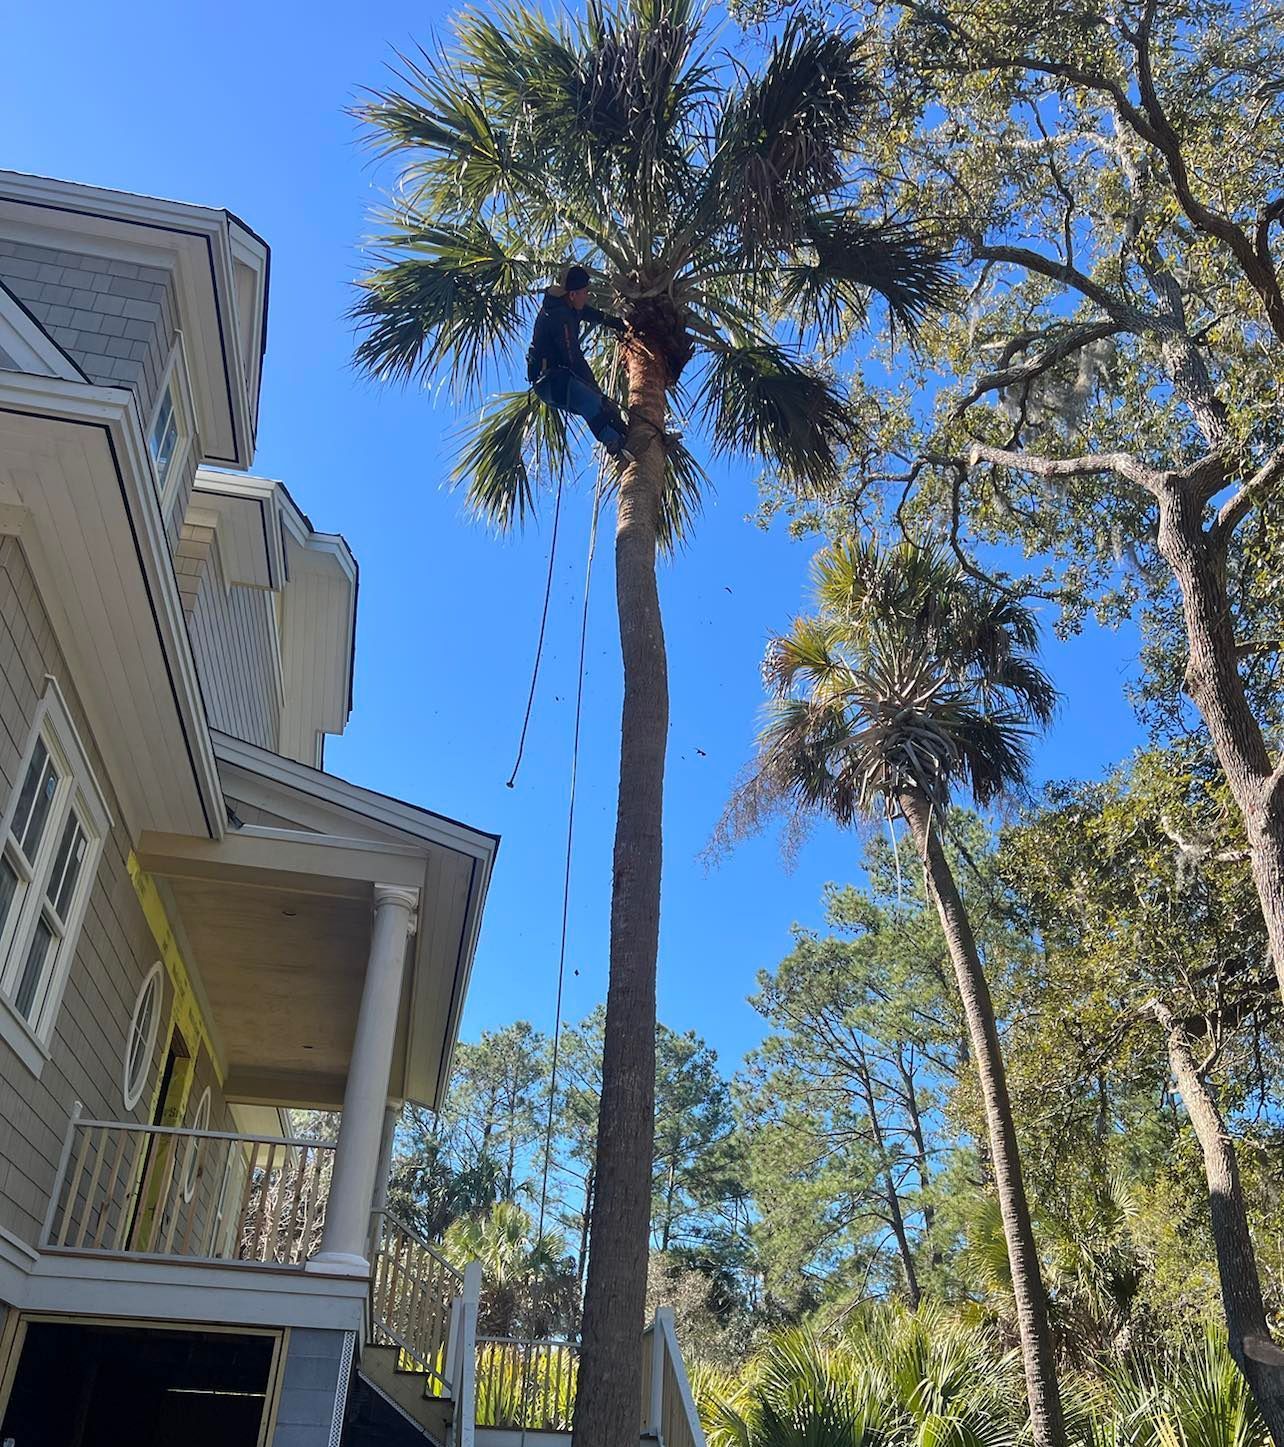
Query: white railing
x: 668, y: 1410
x: 412, y: 1294
x: 526, y: 1385
x: 205, y: 1195
x: 530, y: 1386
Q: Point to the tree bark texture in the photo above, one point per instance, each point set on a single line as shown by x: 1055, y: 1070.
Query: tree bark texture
x: 1042, y: 1393
x: 1249, y: 1336
x: 608, y: 1404
x: 1214, y: 684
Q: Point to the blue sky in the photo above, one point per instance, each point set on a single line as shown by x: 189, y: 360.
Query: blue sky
x: 242, y: 106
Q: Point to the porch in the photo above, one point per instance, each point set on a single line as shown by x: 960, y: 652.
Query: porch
x: 244, y: 1216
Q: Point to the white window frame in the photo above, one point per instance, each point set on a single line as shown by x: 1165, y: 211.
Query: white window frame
x: 77, y: 793
x: 174, y: 383
x: 192, y: 1161
x: 132, y: 1090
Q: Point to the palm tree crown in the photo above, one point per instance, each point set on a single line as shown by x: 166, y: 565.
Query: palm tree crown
x: 911, y: 676
x: 709, y: 202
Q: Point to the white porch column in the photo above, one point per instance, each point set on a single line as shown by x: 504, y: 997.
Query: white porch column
x: 365, y: 1096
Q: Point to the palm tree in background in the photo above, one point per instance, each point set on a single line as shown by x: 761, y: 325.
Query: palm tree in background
x: 911, y: 682
x: 711, y: 203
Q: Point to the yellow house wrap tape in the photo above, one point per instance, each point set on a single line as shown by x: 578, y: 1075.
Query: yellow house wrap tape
x: 187, y: 1014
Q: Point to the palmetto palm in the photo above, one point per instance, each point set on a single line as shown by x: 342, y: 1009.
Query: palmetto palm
x: 910, y: 682
x: 711, y: 203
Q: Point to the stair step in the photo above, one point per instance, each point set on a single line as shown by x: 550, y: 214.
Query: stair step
x: 405, y: 1391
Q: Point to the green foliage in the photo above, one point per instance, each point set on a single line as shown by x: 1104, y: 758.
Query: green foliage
x: 889, y: 1376
x: 1110, y: 181
x: 925, y: 1379
x: 529, y: 1288
x: 688, y: 183
x: 523, y: 1385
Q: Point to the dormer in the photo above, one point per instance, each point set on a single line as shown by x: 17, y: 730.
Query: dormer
x: 271, y: 604
x: 146, y: 294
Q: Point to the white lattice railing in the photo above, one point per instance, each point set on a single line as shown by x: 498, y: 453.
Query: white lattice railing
x: 412, y: 1293
x: 205, y: 1195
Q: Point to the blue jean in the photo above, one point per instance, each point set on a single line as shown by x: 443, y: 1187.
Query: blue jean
x: 562, y: 389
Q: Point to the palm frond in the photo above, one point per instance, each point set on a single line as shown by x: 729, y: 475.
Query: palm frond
x: 512, y: 440
x: 446, y: 294
x: 845, y: 257
x: 763, y: 402
x: 682, y: 499
x: 600, y: 105
x: 785, y: 134
x: 907, y: 680
x: 456, y: 146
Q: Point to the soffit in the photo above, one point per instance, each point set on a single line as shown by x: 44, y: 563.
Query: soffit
x: 81, y: 497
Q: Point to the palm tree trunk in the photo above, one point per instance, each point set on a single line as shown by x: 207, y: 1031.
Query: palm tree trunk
x: 581, y: 1260
x: 1257, y: 1356
x: 607, y: 1410
x: 1042, y: 1394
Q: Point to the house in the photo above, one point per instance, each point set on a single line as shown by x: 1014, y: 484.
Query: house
x: 200, y: 928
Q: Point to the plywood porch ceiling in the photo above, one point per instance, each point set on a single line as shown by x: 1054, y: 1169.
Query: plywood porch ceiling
x: 283, y: 972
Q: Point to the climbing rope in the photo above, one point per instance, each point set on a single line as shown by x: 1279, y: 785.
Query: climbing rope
x: 539, y: 646
x: 566, y: 877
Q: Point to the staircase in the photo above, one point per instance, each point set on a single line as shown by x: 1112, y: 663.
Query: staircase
x: 421, y: 1321
x: 425, y: 1374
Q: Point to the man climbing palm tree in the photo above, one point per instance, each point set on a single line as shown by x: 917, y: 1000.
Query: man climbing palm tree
x: 708, y: 197
x: 556, y: 366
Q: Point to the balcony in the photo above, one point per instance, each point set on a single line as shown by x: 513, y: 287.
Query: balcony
x: 162, y: 1193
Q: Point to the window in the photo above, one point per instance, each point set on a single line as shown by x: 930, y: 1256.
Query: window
x: 170, y: 432
x: 142, y: 1036
x: 192, y: 1165
x: 52, y: 836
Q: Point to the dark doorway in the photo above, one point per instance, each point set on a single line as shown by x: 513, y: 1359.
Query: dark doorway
x: 171, y: 1099
x: 107, y: 1386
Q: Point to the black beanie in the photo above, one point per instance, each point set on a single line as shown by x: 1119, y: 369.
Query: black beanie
x: 576, y: 278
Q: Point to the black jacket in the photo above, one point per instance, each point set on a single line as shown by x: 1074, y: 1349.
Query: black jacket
x: 555, y: 341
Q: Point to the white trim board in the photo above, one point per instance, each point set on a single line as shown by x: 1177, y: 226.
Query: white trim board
x: 30, y: 346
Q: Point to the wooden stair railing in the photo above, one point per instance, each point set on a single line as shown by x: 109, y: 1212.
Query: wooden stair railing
x: 414, y: 1292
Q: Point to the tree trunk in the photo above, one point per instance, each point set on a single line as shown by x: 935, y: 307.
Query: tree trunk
x: 1046, y: 1423
x: 607, y: 1410
x: 1257, y: 1356
x: 1217, y: 690
x: 920, y: 1159
x: 896, y: 1217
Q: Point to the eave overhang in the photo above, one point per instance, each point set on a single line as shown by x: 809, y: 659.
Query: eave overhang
x: 77, y: 487
x: 331, y: 842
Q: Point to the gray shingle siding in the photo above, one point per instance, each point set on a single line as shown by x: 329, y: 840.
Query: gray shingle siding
x: 116, y: 319
x: 235, y: 650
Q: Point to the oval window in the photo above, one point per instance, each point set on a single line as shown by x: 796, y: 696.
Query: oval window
x: 192, y: 1165
x: 142, y: 1036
